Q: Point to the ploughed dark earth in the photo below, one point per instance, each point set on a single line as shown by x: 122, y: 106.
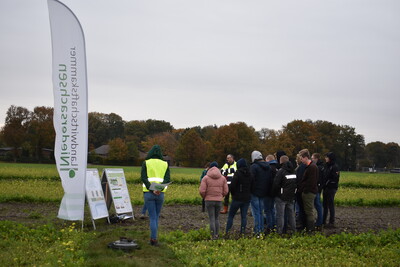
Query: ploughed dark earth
x: 190, y: 217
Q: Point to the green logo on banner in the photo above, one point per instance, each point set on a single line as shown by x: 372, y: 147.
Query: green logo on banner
x: 71, y: 173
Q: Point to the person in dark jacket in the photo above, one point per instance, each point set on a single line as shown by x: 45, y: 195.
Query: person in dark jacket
x: 331, y: 180
x: 285, y: 187
x: 204, y: 173
x: 300, y: 215
x: 308, y: 187
x: 241, y: 186
x: 262, y: 185
x: 316, y: 158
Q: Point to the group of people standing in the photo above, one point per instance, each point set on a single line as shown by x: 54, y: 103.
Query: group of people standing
x: 275, y: 190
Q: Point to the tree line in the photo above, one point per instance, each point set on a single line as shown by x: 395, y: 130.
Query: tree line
x: 29, y: 132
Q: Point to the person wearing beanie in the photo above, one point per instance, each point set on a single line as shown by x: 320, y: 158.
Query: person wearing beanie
x: 212, y: 189
x: 261, y: 172
x: 331, y: 180
x: 228, y: 170
x: 241, y: 185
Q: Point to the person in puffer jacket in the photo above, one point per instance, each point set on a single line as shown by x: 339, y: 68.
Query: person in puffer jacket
x: 212, y: 189
x: 285, y: 187
x: 241, y: 186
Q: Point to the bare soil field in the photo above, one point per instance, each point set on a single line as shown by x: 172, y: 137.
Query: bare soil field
x: 190, y: 217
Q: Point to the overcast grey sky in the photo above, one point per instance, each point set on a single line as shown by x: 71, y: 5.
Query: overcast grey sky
x: 202, y: 62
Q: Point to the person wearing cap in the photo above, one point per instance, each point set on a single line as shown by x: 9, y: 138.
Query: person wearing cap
x: 154, y: 169
x: 331, y: 180
x: 241, y: 186
x: 228, y: 170
x: 261, y: 172
x: 213, y: 188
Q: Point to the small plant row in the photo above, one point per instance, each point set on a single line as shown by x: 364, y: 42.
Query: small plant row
x: 197, y: 201
x: 186, y: 181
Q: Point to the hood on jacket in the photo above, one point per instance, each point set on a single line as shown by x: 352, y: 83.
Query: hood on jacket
x: 214, y: 173
x: 262, y: 164
x: 279, y: 154
x: 256, y: 155
x: 288, y: 166
x: 155, y: 153
x: 241, y: 163
x: 331, y: 156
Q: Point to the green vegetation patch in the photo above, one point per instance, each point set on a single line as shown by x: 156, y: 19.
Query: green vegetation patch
x: 345, y: 249
x: 42, y: 245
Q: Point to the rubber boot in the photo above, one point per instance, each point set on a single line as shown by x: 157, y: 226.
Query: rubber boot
x: 225, y: 210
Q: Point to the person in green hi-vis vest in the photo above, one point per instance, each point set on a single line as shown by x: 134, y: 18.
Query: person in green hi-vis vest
x: 154, y: 169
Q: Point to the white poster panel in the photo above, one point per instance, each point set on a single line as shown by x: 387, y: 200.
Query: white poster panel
x: 95, y: 195
x: 70, y: 108
x: 119, y: 191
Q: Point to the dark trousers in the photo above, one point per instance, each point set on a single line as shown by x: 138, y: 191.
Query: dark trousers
x: 329, y: 204
x: 235, y: 206
x: 301, y: 215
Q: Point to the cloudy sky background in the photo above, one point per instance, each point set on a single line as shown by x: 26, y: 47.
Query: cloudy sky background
x: 204, y: 62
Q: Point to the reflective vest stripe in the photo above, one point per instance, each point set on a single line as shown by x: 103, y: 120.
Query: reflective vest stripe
x: 290, y: 176
x: 230, y: 172
x: 156, y: 169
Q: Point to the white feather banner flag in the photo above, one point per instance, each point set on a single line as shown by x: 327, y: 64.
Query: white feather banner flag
x: 70, y: 108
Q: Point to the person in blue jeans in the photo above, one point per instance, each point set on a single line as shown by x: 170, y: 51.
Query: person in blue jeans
x: 269, y: 201
x: 241, y: 185
x: 316, y: 158
x: 261, y: 172
x: 154, y: 169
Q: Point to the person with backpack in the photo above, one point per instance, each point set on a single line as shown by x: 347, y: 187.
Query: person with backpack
x: 331, y: 179
x: 284, y: 187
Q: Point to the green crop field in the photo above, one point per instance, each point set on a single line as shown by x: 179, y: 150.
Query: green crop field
x: 40, y: 183
x: 27, y: 244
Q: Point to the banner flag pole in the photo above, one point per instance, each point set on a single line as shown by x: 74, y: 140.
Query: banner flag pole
x: 70, y: 107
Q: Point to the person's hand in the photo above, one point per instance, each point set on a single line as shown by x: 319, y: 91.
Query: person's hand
x: 156, y: 192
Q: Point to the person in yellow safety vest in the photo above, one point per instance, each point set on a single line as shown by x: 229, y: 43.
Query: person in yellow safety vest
x: 228, y: 170
x: 154, y: 169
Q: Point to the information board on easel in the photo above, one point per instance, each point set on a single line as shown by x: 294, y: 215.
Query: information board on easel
x: 95, y: 196
x: 116, y: 191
